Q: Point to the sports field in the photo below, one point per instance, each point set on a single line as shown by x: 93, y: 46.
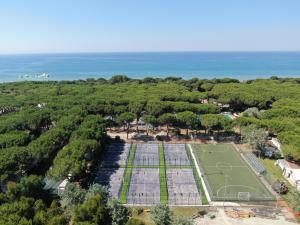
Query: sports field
x: 138, y: 174
x: 227, y: 176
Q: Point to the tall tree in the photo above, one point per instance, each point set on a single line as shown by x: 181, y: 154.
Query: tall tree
x: 167, y: 119
x: 256, y: 137
x: 72, y: 195
x: 209, y: 121
x: 225, y: 123
x: 97, y: 189
x: 137, y: 108
x: 73, y: 159
x: 31, y: 186
x: 187, y: 119
x: 150, y: 121
x: 126, y: 119
x: 155, y: 108
x: 119, y: 214
x: 161, y: 215
x: 91, y: 211
x: 14, y: 162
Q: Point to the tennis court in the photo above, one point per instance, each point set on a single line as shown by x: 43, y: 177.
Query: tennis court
x: 112, y: 178
x: 146, y: 155
x: 182, y: 188
x: 144, y: 187
x: 227, y: 176
x: 175, y: 155
x: 115, y: 155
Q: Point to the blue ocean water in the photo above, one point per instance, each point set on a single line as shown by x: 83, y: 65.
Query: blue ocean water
x: 240, y: 65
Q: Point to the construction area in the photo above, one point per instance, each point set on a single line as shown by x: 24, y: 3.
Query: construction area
x: 244, y: 216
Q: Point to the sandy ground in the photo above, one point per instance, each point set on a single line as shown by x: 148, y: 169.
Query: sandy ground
x: 122, y: 135
x: 151, y: 136
x: 223, y: 219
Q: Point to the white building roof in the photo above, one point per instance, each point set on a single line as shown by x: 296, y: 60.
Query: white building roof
x: 282, y: 163
x: 276, y: 143
x: 295, y: 174
x: 63, y: 184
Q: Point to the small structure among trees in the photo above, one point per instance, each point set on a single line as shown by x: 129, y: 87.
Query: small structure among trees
x: 291, y: 171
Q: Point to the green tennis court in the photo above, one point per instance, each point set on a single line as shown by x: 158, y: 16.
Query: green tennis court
x: 227, y: 176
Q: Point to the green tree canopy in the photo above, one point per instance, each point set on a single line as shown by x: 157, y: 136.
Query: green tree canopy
x: 73, y: 159
x: 167, y: 119
x: 187, y: 120
x: 91, y: 211
x: 161, y: 215
x: 125, y: 119
x: 256, y: 137
x: 150, y: 121
x: 31, y: 187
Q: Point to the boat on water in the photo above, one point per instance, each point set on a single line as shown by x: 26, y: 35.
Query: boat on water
x: 35, y: 76
x: 43, y: 75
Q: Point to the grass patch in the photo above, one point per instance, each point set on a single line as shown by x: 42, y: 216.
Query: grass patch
x: 162, y: 176
x: 227, y: 174
x: 197, y: 177
x: 186, y: 211
x: 128, y: 173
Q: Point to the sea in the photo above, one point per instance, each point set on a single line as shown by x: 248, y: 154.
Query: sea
x: 203, y: 65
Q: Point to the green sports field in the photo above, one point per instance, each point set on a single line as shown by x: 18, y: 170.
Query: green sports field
x: 227, y: 176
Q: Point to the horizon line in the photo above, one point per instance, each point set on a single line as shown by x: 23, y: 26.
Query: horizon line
x: 175, y: 51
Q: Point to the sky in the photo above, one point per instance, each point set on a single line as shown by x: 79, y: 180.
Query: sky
x: 53, y: 26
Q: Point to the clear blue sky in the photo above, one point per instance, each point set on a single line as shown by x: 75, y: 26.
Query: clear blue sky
x: 34, y: 26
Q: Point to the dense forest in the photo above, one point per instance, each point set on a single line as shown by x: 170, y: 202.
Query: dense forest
x: 58, y: 129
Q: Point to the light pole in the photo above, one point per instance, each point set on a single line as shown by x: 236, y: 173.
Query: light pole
x: 225, y: 181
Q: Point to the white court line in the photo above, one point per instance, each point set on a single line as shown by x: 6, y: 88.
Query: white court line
x: 199, y: 173
x: 216, y: 166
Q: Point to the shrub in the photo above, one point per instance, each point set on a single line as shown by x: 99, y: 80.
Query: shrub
x: 134, y: 221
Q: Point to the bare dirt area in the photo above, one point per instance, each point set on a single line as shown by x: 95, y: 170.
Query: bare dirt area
x: 246, y: 216
x: 142, y: 136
